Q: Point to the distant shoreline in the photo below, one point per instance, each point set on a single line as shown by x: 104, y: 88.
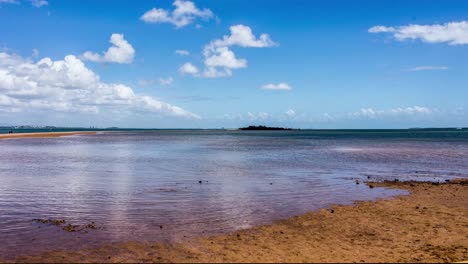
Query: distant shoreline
x: 45, y: 134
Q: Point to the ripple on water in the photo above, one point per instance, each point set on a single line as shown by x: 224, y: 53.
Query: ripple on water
x: 145, y: 186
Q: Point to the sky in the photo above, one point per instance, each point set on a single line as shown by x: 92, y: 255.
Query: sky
x: 229, y: 63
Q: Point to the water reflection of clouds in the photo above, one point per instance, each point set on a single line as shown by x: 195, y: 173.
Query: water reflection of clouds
x: 131, y: 183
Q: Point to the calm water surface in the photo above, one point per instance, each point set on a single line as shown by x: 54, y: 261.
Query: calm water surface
x: 132, y: 183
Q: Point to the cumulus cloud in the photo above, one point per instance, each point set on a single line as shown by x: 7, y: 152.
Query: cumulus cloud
x: 279, y: 86
x: 69, y: 86
x: 291, y: 113
x: 249, y: 116
x: 412, y: 110
x: 400, y: 111
x: 39, y: 3
x: 428, y: 68
x: 453, y: 33
x: 182, y: 52
x: 188, y: 68
x: 185, y: 13
x: 120, y: 52
x: 220, y: 60
x: 381, y: 29
x: 270, y: 118
x: 242, y: 36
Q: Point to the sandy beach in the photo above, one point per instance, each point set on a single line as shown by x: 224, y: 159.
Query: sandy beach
x: 428, y: 225
x: 44, y: 134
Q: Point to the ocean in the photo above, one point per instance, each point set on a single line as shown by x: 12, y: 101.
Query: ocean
x: 174, y: 185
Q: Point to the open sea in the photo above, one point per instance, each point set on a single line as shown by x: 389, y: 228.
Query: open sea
x: 173, y: 185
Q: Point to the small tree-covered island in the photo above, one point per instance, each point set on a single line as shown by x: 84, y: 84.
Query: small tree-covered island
x: 264, y: 128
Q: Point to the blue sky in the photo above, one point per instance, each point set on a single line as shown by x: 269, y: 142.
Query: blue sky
x: 307, y: 64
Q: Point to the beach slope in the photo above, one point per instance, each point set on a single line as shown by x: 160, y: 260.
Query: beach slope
x: 428, y: 225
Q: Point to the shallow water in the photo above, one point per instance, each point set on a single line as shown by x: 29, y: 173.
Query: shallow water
x: 131, y: 183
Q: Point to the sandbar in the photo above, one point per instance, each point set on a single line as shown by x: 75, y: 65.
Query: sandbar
x: 44, y: 134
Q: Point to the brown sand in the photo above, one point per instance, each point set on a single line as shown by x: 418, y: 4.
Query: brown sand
x: 44, y: 134
x: 429, y: 225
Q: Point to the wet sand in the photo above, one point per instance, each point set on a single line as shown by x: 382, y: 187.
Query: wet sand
x: 44, y: 134
x: 428, y: 225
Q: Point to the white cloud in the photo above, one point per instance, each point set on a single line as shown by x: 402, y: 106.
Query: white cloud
x: 166, y: 81
x: 291, y: 113
x: 368, y: 113
x: 453, y: 33
x: 249, y: 116
x: 185, y: 13
x: 69, y: 86
x: 120, y: 52
x: 39, y: 3
x: 242, y: 36
x: 428, y: 68
x: 279, y: 86
x: 162, y: 81
x: 224, y: 57
x: 412, y: 110
x: 381, y: 29
x: 400, y: 111
x: 143, y: 82
x: 188, y: 68
x: 220, y: 60
x: 182, y: 52
x: 260, y: 116
x: 9, y: 2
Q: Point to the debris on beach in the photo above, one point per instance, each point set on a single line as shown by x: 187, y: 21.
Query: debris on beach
x: 69, y: 227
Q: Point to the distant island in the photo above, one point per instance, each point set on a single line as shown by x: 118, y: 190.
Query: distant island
x: 263, y: 128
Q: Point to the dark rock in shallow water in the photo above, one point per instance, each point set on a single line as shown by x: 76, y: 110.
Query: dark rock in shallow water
x: 50, y: 221
x: 91, y: 226
x: 71, y: 228
x: 67, y: 228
